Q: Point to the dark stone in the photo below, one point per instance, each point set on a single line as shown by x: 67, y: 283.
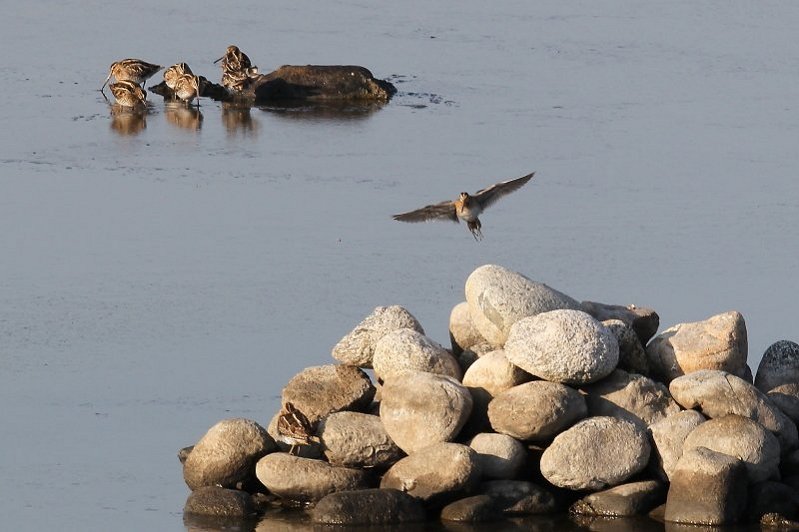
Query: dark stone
x: 644, y: 321
x: 367, y: 507
x: 220, y: 502
x: 778, y: 522
x: 519, y: 497
x: 183, y: 454
x: 314, y: 82
x: 772, y: 497
x: 635, y: 498
x: 475, y: 509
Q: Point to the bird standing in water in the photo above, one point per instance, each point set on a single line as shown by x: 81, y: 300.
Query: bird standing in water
x: 187, y: 87
x: 128, y: 93
x: 134, y: 70
x: 467, y: 207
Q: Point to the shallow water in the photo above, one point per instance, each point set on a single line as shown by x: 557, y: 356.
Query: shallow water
x: 163, y: 272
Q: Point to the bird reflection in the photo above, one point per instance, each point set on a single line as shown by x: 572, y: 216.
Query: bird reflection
x: 128, y: 121
x: 183, y: 116
x: 236, y: 118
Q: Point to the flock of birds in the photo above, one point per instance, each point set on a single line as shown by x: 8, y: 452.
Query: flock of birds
x: 130, y: 75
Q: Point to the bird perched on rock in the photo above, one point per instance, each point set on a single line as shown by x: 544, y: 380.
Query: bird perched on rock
x: 293, y: 428
x: 128, y: 93
x: 237, y: 69
x: 134, y: 70
x: 235, y: 59
x: 467, y: 207
x: 172, y: 74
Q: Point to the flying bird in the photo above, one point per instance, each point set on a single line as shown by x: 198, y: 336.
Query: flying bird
x: 467, y: 207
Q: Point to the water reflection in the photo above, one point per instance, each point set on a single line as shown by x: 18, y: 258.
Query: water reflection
x: 237, y: 118
x: 183, y: 116
x: 338, y: 111
x: 128, y: 121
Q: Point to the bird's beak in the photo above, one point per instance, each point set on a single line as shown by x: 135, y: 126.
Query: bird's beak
x: 218, y: 60
x: 105, y: 82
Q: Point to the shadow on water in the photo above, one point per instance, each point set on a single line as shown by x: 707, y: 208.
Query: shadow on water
x: 334, y: 111
x: 183, y: 116
x: 237, y: 119
x: 128, y: 121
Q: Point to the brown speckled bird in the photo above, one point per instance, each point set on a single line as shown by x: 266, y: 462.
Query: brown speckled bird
x: 128, y: 93
x: 467, y: 207
x: 134, y: 70
x: 187, y: 87
x: 172, y: 74
x: 293, y: 428
x: 234, y: 59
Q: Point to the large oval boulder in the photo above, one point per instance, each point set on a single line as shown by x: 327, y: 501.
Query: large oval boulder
x: 305, y: 479
x: 567, y: 346
x: 499, y: 297
x: 419, y: 408
x: 718, y: 393
x: 596, y: 453
x: 404, y: 349
x: 494, y: 373
x: 718, y: 342
x: 358, y: 346
x: 462, y: 332
x: 374, y: 507
x: 668, y: 437
x: 743, y: 438
x: 353, y: 439
x: 500, y: 456
x: 436, y: 474
x: 536, y: 410
x: 214, y: 501
x: 320, y: 390
x: 226, y: 454
x: 778, y: 376
x: 629, y: 396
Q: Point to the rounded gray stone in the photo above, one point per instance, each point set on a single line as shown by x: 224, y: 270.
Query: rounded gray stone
x: 625, y: 500
x: 474, y: 509
x: 436, y: 474
x: 743, y: 438
x: 357, y: 347
x: 596, y: 453
x: 786, y: 398
x: 629, y: 396
x: 494, y: 373
x: 499, y: 297
x: 519, y: 497
x: 405, y: 349
x: 500, y: 456
x: 226, y: 454
x: 779, y: 365
x: 353, y: 439
x: 367, y: 507
x: 668, y: 436
x: 718, y: 393
x: 719, y: 343
x: 419, y: 408
x: 462, y: 332
x: 305, y: 479
x: 320, y: 390
x: 536, y: 410
x: 632, y: 356
x: 219, y: 502
x: 567, y: 346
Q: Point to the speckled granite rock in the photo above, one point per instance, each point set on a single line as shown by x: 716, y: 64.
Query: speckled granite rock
x: 358, y: 346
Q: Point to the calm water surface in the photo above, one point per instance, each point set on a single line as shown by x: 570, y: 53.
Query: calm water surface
x: 160, y: 274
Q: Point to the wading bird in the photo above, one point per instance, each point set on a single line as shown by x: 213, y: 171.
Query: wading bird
x: 134, y: 70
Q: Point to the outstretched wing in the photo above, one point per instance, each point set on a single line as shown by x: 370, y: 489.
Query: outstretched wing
x: 440, y: 211
x: 491, y: 194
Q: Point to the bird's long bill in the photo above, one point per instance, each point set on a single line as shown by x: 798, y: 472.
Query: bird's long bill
x: 218, y: 60
x: 105, y: 82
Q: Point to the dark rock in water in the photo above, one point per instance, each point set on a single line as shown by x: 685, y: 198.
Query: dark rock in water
x: 778, y: 522
x: 707, y: 488
x: 625, y: 500
x: 321, y: 83
x: 772, y: 497
x: 475, y: 509
x: 222, y: 502
x: 208, y: 89
x: 644, y: 321
x: 519, y: 497
x: 368, y: 507
x: 183, y: 454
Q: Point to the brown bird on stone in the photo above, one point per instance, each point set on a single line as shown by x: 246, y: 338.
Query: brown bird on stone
x: 467, y: 207
x: 293, y: 428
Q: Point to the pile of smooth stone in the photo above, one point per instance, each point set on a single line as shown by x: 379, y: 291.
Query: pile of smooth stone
x: 542, y: 405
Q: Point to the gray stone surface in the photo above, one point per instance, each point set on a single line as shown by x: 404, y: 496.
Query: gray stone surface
x: 668, y: 436
x: 307, y: 480
x: 707, y: 488
x: 219, y: 502
x: 536, y: 410
x: 353, y: 439
x: 367, y: 507
x: 499, y: 297
x: 719, y: 342
x: 718, y: 393
x: 499, y: 455
x: 320, y: 390
x: 463, y: 334
x: 494, y: 373
x: 404, y: 349
x: 474, y: 509
x: 226, y: 454
x: 786, y: 398
x: 519, y: 497
x: 632, y: 356
x: 629, y: 396
x: 779, y: 365
x: 643, y: 321
x: 567, y: 346
x: 596, y: 453
x: 743, y: 438
x: 437, y: 474
x: 635, y: 498
x: 357, y: 347
x: 419, y: 409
